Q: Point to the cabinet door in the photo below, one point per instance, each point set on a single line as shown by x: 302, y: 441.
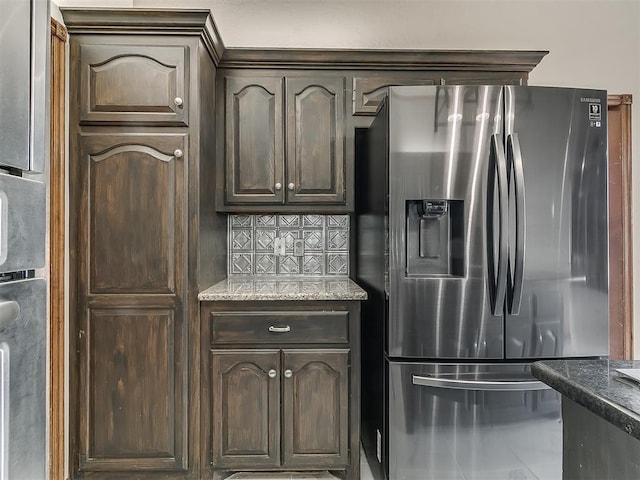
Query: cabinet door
x: 129, y: 190
x: 134, y: 83
x: 315, y: 408
x: 254, y: 143
x: 245, y: 407
x: 315, y: 140
x: 369, y: 91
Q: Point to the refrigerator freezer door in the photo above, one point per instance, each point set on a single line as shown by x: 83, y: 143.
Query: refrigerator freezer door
x: 22, y: 382
x: 557, y: 303
x: 462, y: 425
x: 440, y: 141
x: 22, y: 223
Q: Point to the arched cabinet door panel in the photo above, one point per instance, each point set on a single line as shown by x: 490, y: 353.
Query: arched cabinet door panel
x: 245, y: 402
x: 315, y: 407
x: 315, y: 140
x: 134, y: 83
x: 134, y: 202
x: 254, y: 142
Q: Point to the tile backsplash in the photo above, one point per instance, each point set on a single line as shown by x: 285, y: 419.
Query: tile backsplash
x: 311, y: 245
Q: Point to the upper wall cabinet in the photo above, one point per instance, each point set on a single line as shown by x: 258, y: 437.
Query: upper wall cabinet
x: 284, y: 142
x: 254, y: 142
x: 369, y: 90
x: 315, y: 140
x: 134, y: 83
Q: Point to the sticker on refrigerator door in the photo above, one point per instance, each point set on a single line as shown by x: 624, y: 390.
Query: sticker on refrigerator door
x: 595, y: 115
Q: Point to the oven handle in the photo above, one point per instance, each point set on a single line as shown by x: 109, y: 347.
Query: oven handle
x: 9, y: 311
x: 479, y: 385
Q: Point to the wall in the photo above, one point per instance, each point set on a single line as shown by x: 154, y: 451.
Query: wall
x: 592, y: 43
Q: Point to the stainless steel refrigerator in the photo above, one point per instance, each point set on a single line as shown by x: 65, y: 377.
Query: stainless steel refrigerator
x: 482, y: 242
x: 24, y: 37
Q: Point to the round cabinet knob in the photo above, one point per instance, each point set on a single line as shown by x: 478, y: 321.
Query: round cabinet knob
x: 177, y: 101
x: 278, y: 186
x: 177, y: 153
x: 288, y: 373
x: 273, y: 373
x: 291, y: 186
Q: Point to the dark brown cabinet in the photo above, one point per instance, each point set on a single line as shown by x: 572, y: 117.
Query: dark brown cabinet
x: 245, y: 402
x: 282, y: 392
x: 370, y: 90
x: 119, y: 174
x: 143, y: 235
x: 134, y: 83
x: 310, y: 420
x: 285, y: 141
x: 315, y: 140
x: 254, y: 148
x: 315, y: 408
x: 131, y: 293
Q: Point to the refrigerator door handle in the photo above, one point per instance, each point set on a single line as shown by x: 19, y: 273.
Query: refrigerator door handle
x: 497, y: 170
x: 514, y: 156
x: 479, y: 385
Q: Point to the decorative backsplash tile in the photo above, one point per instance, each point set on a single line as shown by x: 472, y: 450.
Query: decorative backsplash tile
x: 253, y: 239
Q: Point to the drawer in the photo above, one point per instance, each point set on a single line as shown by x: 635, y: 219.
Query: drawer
x: 279, y: 327
x: 134, y: 83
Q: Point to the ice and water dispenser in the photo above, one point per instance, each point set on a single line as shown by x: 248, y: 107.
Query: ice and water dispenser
x: 435, y: 237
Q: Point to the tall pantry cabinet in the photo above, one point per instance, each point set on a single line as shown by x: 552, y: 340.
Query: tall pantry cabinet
x: 144, y: 239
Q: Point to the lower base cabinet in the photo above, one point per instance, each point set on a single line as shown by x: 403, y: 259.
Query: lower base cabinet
x: 276, y: 397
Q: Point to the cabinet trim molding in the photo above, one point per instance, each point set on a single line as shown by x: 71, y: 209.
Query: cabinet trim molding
x: 147, y: 21
x: 342, y: 59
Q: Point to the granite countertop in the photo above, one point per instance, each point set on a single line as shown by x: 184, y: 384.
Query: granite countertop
x: 597, y: 386
x: 283, y: 288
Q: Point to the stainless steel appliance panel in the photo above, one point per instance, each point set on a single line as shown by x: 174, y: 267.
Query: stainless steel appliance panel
x: 556, y: 144
x: 40, y: 95
x: 440, y: 150
x: 15, y: 41
x: 23, y: 404
x: 22, y: 223
x: 471, y: 422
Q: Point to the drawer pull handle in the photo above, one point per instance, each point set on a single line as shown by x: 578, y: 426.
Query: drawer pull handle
x: 288, y: 373
x: 275, y: 329
x: 272, y: 373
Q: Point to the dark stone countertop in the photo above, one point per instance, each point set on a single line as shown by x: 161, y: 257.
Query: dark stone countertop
x: 597, y: 386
